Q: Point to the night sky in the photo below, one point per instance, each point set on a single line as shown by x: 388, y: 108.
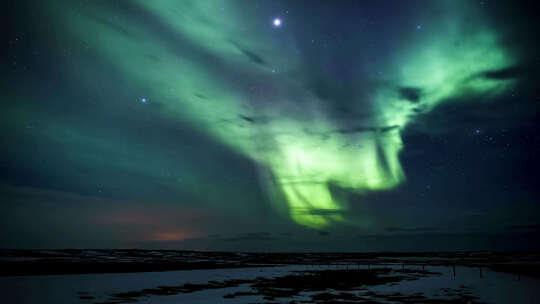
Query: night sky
x: 270, y: 125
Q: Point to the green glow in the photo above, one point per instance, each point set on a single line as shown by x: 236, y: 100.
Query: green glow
x: 298, y: 142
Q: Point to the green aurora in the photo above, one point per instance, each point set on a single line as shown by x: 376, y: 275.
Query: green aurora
x: 301, y: 150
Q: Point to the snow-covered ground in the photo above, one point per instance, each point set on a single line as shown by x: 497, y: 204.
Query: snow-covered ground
x: 493, y: 287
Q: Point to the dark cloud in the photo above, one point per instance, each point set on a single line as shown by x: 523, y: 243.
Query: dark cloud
x: 254, y: 119
x: 411, y: 94
x: 255, y: 58
x: 506, y: 73
x: 352, y: 130
x: 201, y: 96
x: 366, y: 129
x: 247, y: 118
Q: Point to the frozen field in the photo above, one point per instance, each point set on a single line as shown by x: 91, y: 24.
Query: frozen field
x: 436, y: 285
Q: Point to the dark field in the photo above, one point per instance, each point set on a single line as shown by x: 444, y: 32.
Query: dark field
x: 154, y: 276
x: 43, y: 262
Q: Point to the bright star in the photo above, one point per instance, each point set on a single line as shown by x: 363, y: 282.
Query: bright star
x: 144, y: 100
x: 277, y: 22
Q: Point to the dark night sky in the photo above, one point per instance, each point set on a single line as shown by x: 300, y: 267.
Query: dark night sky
x: 270, y: 125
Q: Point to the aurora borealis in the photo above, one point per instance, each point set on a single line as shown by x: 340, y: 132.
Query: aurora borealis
x: 205, y: 122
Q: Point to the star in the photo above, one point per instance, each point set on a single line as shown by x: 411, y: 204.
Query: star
x: 144, y: 100
x: 419, y: 27
x: 277, y: 22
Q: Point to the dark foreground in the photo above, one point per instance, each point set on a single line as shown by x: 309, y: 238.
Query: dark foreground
x: 133, y: 276
x: 75, y: 261
x: 317, y: 284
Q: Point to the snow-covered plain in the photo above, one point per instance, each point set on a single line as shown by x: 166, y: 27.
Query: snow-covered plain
x: 493, y: 287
